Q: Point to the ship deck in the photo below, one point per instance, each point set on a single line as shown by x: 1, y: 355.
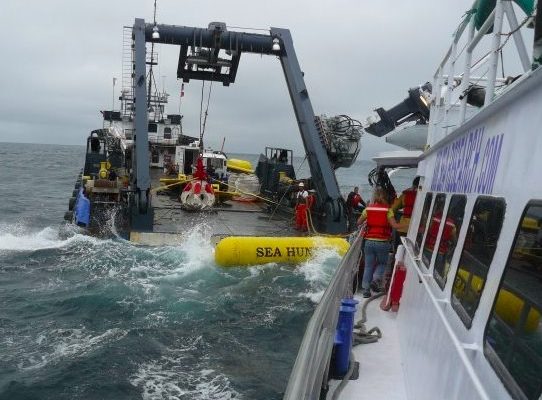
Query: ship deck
x: 380, y: 367
x: 171, y: 222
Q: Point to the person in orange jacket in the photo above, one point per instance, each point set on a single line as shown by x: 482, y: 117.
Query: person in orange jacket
x: 406, y: 202
x: 301, y: 208
x: 380, y: 221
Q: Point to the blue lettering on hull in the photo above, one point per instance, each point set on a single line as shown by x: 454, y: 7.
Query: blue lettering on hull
x: 468, y: 165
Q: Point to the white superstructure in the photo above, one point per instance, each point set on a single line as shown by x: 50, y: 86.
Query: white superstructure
x: 469, y: 324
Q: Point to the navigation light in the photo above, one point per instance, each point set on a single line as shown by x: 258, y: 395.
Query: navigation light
x: 155, y: 33
x: 276, y: 45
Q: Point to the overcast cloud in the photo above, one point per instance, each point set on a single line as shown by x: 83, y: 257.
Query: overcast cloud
x: 59, y: 58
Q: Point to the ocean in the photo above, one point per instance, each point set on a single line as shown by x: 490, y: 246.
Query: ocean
x: 86, y: 318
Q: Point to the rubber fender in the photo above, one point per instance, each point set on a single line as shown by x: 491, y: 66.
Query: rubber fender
x: 68, y: 216
x: 71, y: 203
x: 77, y: 185
x: 235, y: 251
x: 75, y: 192
x: 82, y: 211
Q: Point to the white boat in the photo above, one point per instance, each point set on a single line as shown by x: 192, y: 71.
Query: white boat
x: 469, y: 321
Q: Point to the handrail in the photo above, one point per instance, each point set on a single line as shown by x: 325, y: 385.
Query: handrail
x: 312, y: 362
x: 447, y: 93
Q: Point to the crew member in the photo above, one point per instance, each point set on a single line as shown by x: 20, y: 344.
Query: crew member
x: 188, y: 168
x: 448, y: 236
x: 301, y: 208
x: 354, y: 206
x: 377, y: 234
x: 283, y: 156
x: 406, y: 202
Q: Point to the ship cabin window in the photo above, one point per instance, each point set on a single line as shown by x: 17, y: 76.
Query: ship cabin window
x: 153, y: 128
x: 480, y: 243
x: 513, y: 336
x: 432, y: 233
x: 155, y: 157
x: 448, y: 239
x: 215, y: 163
x: 167, y: 133
x: 423, y: 221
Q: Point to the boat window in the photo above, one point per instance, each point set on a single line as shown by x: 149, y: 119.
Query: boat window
x: 155, y: 157
x: 448, y: 239
x: 513, y: 336
x: 423, y: 221
x: 478, y: 250
x: 432, y: 233
x: 167, y: 133
x: 216, y: 163
x: 153, y: 127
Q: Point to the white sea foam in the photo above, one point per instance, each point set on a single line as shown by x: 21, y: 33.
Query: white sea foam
x: 168, y: 378
x: 197, y: 249
x: 193, y: 255
x: 257, y: 270
x: 319, y: 268
x: 66, y: 343
x: 315, y: 297
x: 318, y: 271
x: 17, y: 237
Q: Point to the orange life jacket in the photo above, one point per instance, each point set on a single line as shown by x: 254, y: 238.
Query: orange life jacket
x: 433, y: 233
x: 378, y: 226
x: 409, y: 198
x: 355, y: 200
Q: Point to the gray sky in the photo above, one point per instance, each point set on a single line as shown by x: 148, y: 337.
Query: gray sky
x: 59, y: 58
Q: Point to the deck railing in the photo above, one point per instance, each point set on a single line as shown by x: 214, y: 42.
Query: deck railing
x: 450, y: 89
x: 311, y: 367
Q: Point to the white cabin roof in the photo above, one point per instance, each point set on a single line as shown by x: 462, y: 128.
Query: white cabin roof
x: 399, y: 158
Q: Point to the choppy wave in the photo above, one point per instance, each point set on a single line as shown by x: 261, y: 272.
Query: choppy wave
x: 174, y: 376
x: 86, y: 318
x: 58, y: 344
x: 85, y: 296
x: 19, y: 237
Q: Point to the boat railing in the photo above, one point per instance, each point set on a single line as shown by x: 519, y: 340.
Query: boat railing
x: 311, y: 367
x: 451, y: 102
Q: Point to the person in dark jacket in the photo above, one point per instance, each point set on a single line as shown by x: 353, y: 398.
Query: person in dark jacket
x: 354, y: 206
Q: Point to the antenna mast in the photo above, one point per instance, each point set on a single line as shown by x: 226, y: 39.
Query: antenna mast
x: 151, y: 74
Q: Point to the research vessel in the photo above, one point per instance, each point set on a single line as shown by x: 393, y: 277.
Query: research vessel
x: 145, y: 180
x: 462, y: 316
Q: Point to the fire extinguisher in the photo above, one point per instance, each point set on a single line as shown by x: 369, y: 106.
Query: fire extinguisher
x: 393, y: 298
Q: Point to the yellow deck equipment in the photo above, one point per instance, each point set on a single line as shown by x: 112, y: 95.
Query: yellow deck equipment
x: 236, y: 165
x: 235, y: 251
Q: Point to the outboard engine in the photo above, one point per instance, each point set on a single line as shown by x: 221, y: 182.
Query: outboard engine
x: 341, y: 135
